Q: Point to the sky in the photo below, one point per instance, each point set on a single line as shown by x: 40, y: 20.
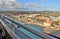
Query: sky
x: 32, y: 5
x: 42, y: 5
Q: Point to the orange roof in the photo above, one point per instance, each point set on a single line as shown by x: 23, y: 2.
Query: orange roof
x: 48, y: 22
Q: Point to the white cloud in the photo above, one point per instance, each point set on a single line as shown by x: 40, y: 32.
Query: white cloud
x: 32, y: 5
x: 10, y: 4
x: 27, y: 4
x: 1, y: 2
x: 43, y: 0
x: 12, y: 0
x: 35, y: 5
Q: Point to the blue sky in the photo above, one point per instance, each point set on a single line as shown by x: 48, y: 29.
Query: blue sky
x: 31, y: 5
x: 50, y: 5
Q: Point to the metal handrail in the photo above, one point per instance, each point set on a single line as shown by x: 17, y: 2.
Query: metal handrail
x: 40, y: 34
x: 15, y: 28
x: 9, y: 32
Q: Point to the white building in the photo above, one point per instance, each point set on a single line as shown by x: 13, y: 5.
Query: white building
x: 47, y: 24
